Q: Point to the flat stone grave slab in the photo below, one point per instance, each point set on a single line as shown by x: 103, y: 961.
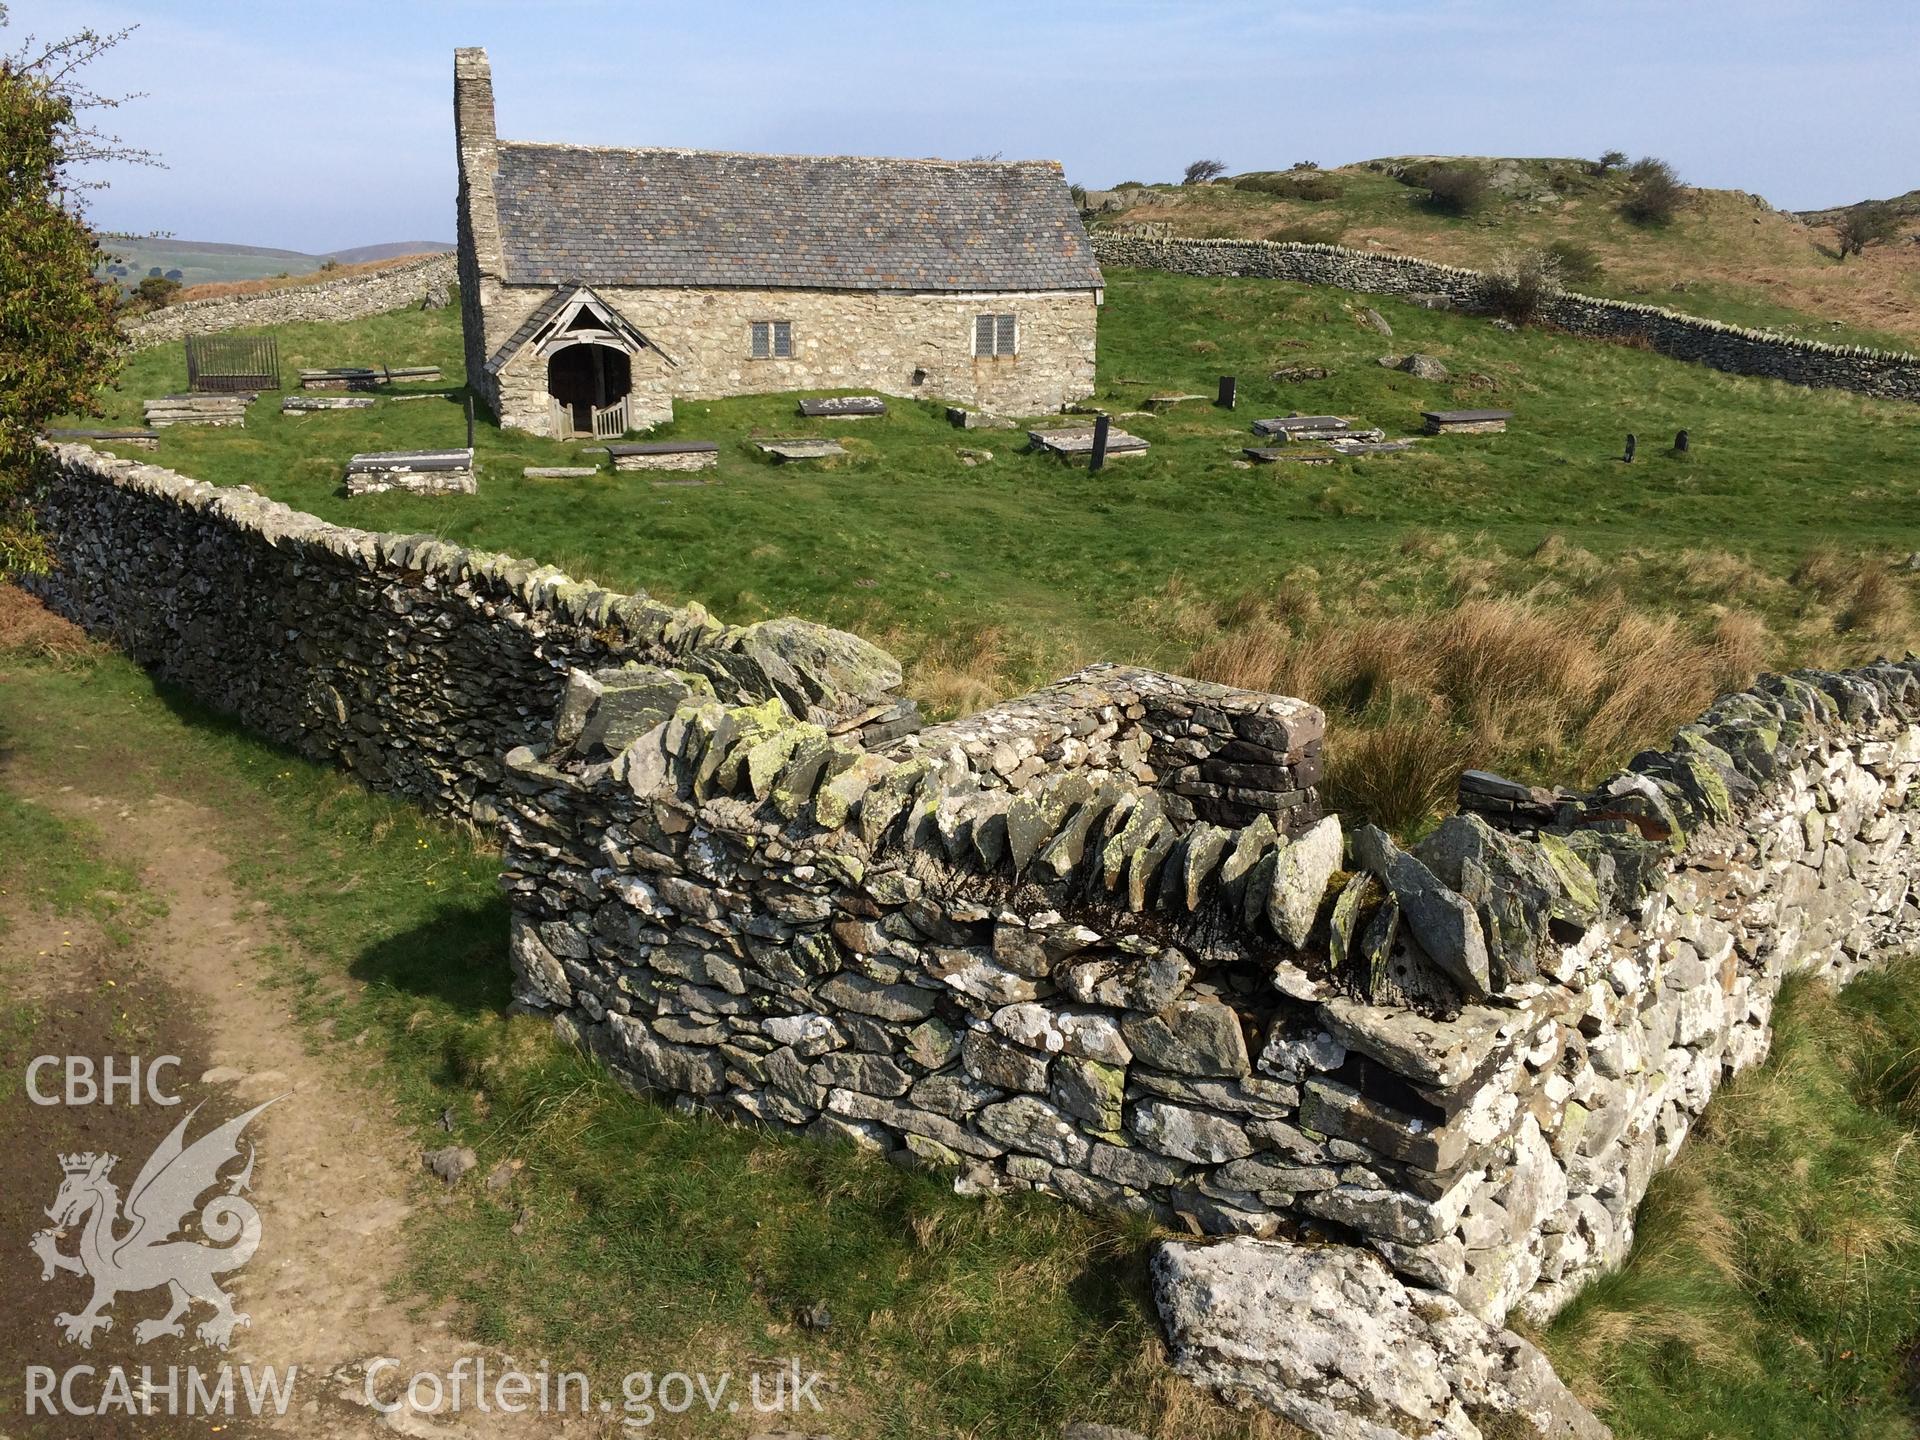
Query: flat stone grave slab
x: 1077, y: 443
x: 1268, y: 455
x: 420, y: 472
x: 665, y: 455
x: 963, y: 418
x: 366, y: 377
x: 1371, y: 447
x: 303, y: 404
x: 560, y: 472
x: 139, y: 439
x: 1167, y: 402
x: 1290, y: 424
x: 228, y: 409
x: 844, y: 407
x: 1466, y: 422
x: 805, y: 448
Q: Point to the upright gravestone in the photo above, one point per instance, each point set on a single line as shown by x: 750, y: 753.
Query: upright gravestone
x: 1229, y: 388
x: 1631, y: 442
x: 1101, y: 424
x: 1682, y: 443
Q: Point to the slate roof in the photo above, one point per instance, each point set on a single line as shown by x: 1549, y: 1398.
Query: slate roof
x: 710, y: 218
x: 542, y: 313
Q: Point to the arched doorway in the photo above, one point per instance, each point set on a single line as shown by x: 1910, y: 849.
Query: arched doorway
x: 589, y: 384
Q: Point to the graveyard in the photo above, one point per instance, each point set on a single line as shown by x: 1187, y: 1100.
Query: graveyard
x: 1286, y: 805
x: 1208, y: 549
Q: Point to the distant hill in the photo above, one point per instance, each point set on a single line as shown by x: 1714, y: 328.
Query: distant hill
x: 1907, y: 204
x: 361, y: 254
x: 210, y: 262
x: 1728, y: 254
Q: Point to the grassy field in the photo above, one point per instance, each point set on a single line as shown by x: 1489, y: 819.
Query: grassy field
x: 1726, y: 255
x: 1524, y: 601
x: 1774, y: 1292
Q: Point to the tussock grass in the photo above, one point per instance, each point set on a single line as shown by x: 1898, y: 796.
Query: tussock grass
x: 1548, y: 691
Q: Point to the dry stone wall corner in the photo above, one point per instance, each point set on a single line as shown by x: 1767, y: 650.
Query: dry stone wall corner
x: 1026, y: 966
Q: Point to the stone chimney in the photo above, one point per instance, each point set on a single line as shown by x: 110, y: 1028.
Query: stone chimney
x: 482, y: 268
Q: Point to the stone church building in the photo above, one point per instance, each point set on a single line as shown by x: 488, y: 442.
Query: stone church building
x: 599, y: 285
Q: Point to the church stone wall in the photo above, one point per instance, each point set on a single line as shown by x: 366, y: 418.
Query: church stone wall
x: 904, y: 344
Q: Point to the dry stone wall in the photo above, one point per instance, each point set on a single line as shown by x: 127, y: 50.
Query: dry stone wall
x: 414, y: 663
x: 1209, y: 752
x: 1469, y: 1056
x: 425, y: 281
x: 1732, y: 348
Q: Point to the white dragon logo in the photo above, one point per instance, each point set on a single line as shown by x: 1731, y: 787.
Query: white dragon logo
x: 147, y: 1255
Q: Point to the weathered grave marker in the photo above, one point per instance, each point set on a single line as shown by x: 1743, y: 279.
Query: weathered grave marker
x: 1077, y: 444
x: 1682, y: 443
x: 1631, y: 444
x: 422, y: 472
x: 1101, y: 426
x: 222, y: 408
x: 802, y: 448
x: 844, y: 407
x: 1229, y: 391
x: 1466, y: 422
x: 670, y: 455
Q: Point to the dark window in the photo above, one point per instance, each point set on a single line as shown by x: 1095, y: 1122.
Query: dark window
x: 995, y: 335
x: 771, y: 339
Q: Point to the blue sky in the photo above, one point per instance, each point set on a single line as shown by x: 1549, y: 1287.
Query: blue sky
x: 325, y: 126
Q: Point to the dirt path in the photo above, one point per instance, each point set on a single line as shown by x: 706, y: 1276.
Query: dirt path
x: 336, y: 1176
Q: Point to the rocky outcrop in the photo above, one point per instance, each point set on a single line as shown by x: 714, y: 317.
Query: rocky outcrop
x: 1328, y: 1337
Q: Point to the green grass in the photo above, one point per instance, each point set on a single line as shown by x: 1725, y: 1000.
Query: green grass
x: 51, y: 864
x: 1774, y: 1288
x: 906, y: 539
x: 990, y: 579
x: 632, y: 1237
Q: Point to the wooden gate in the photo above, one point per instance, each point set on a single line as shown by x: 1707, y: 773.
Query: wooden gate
x: 232, y: 362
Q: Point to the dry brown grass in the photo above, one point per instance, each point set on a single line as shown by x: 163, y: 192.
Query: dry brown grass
x: 224, y: 289
x: 960, y: 674
x: 1859, y: 591
x: 28, y: 628
x: 1557, y: 692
